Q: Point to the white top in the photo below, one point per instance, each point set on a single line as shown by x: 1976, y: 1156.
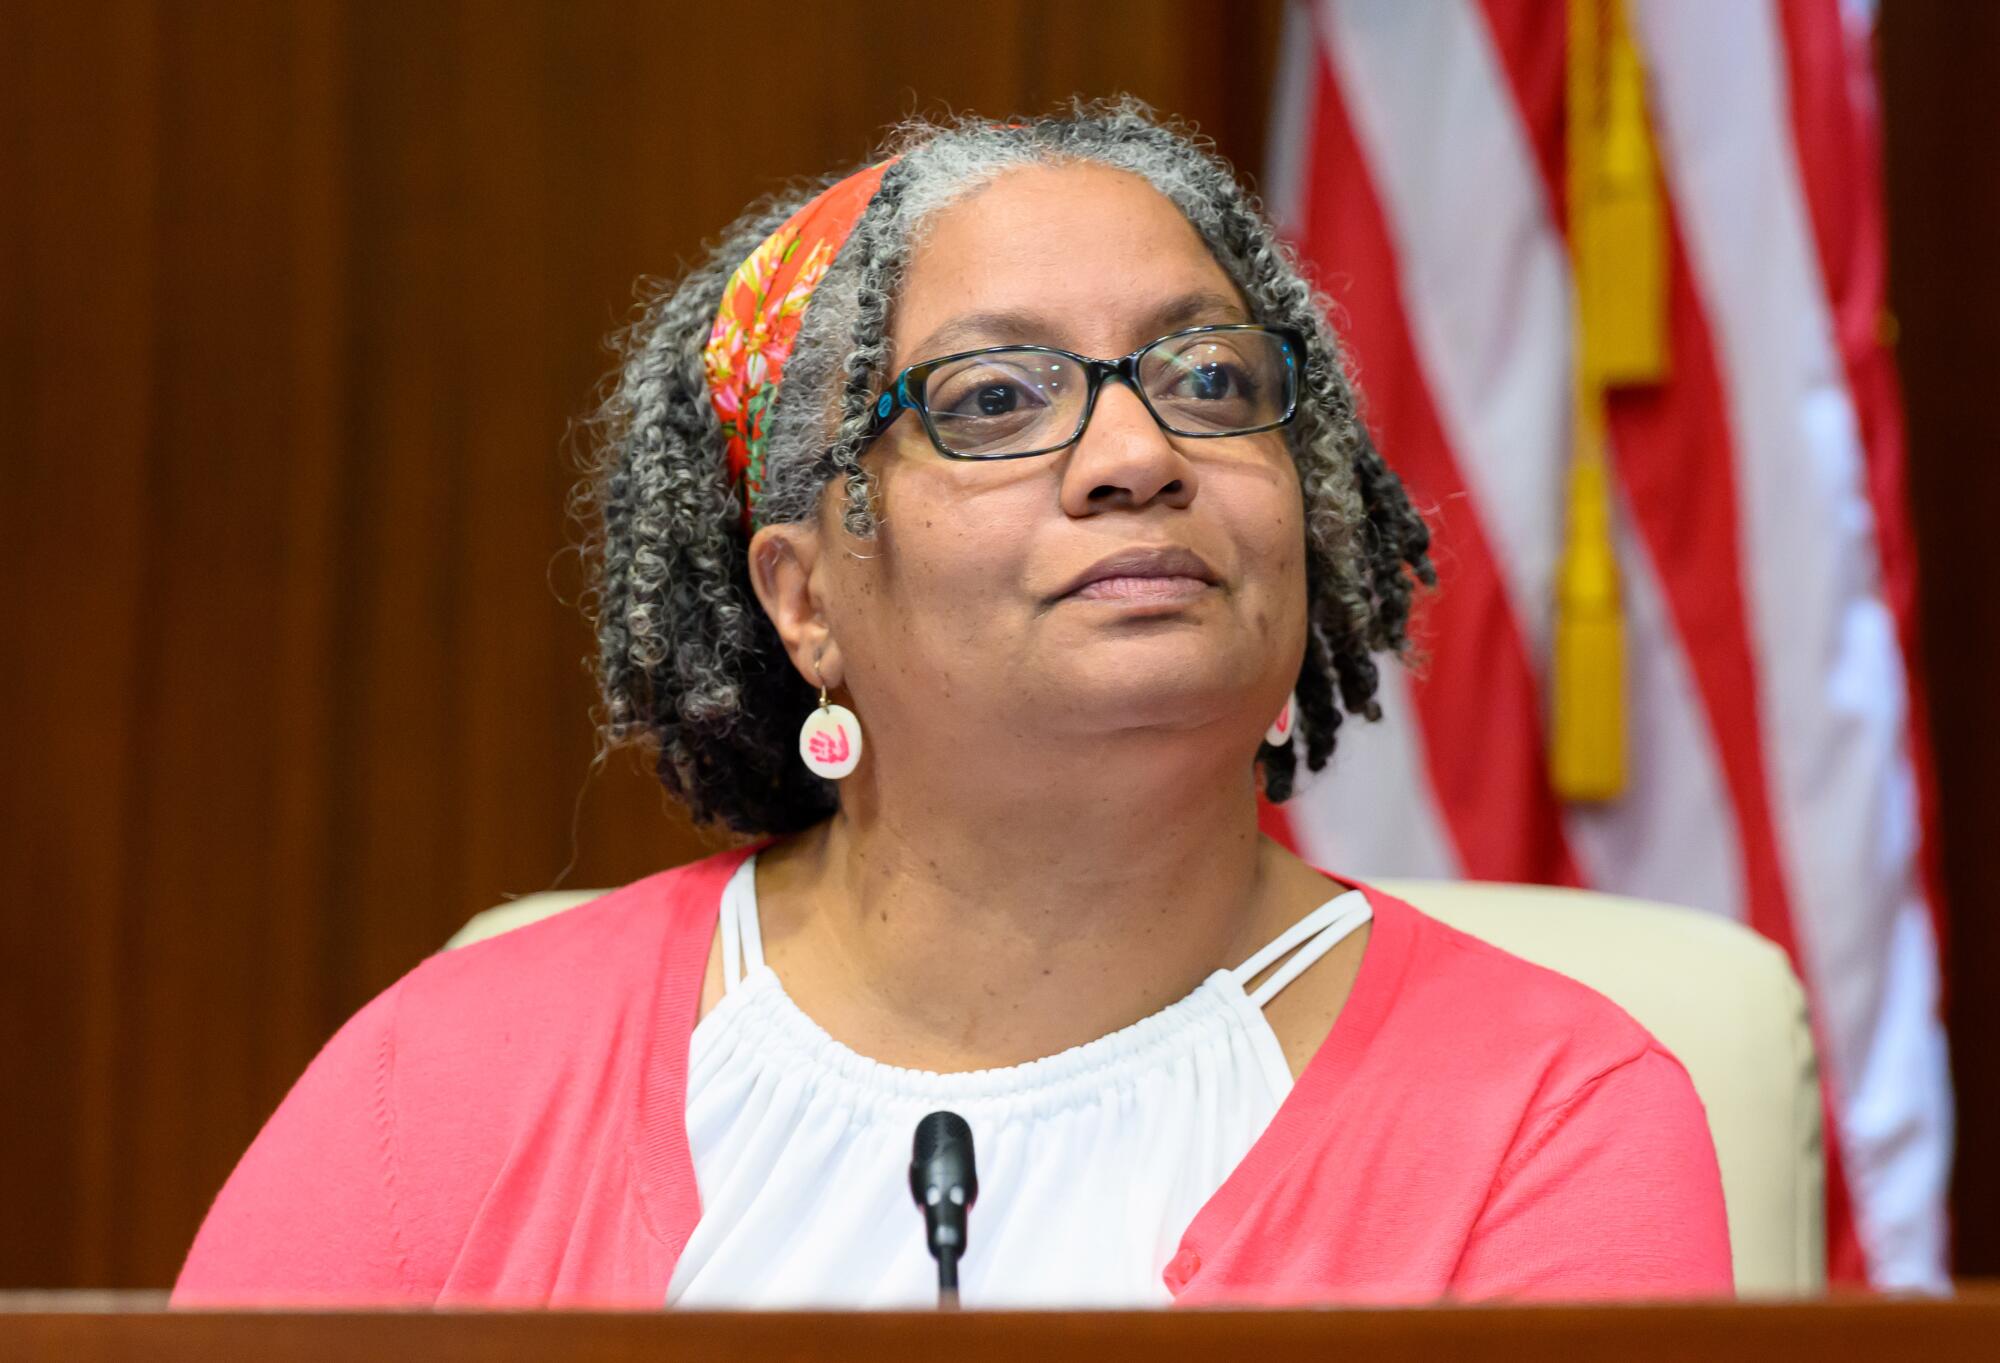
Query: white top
x: 1091, y: 1162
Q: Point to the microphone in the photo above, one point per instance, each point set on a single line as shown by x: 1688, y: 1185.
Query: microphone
x: 944, y: 1184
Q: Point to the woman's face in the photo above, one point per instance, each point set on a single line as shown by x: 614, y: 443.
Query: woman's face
x: 967, y: 614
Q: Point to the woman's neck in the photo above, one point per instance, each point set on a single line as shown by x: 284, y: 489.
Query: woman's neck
x: 948, y: 924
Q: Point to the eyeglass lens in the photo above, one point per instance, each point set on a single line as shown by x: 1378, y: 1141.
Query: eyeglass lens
x: 1016, y: 401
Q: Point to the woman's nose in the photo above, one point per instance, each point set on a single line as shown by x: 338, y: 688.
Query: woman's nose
x: 1123, y: 459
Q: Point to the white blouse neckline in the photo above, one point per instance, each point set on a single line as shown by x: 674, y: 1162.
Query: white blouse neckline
x: 1092, y: 1161
x: 1078, y: 1070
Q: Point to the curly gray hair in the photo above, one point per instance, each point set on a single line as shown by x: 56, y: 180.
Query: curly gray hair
x: 688, y: 661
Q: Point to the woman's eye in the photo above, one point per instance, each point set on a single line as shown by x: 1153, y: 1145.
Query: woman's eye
x: 996, y: 399
x: 1211, y: 381
x: 990, y: 395
x: 1214, y: 382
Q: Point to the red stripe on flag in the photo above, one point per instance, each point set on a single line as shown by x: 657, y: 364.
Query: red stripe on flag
x: 1477, y: 696
x: 1675, y: 456
x: 1837, y: 140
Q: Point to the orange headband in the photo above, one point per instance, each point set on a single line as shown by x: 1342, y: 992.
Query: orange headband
x: 758, y: 322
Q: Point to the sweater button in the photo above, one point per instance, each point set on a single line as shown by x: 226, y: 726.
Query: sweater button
x: 1183, y: 1267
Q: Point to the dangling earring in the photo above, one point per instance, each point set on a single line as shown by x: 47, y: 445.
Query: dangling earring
x: 1280, y: 732
x: 830, y: 739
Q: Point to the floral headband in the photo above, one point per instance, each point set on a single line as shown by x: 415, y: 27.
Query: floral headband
x: 758, y: 322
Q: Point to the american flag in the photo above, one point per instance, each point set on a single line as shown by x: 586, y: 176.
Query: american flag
x: 1775, y: 765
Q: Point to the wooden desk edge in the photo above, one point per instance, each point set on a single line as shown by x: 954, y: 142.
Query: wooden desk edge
x: 1832, y: 1330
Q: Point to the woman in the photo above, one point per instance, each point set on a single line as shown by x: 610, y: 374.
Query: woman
x: 965, y: 526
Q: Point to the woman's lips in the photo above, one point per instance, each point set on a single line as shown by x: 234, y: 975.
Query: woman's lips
x: 1161, y: 573
x: 1141, y: 589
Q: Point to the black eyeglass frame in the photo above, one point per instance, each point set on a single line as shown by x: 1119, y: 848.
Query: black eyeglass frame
x: 898, y: 398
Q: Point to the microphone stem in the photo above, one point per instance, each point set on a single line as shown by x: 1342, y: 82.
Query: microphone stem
x: 947, y: 1262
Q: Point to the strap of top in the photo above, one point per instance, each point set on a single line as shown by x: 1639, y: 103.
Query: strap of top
x: 1321, y: 931
x: 742, y: 943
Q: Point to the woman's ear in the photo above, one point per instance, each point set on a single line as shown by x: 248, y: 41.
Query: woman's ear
x: 785, y: 572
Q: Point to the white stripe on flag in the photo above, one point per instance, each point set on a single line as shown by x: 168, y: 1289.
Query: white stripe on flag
x: 1371, y: 813
x: 1831, y: 684
x: 1483, y: 273
x: 1288, y: 160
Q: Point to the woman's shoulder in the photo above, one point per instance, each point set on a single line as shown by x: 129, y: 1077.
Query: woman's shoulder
x: 362, y: 1186
x: 1493, y: 1012
x: 561, y: 974
x: 1587, y: 1164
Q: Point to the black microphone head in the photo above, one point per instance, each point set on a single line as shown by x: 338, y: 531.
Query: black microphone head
x: 944, y: 1184
x: 941, y: 1156
x: 938, y: 1130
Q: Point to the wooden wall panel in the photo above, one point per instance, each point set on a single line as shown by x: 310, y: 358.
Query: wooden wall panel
x: 76, y: 303
x: 298, y: 303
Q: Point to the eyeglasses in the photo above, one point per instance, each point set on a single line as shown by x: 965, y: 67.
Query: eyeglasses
x: 1010, y: 402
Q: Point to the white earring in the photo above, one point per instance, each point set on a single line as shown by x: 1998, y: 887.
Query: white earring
x: 830, y: 739
x: 1280, y: 732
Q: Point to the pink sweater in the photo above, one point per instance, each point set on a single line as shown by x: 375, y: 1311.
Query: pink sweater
x: 504, y: 1127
